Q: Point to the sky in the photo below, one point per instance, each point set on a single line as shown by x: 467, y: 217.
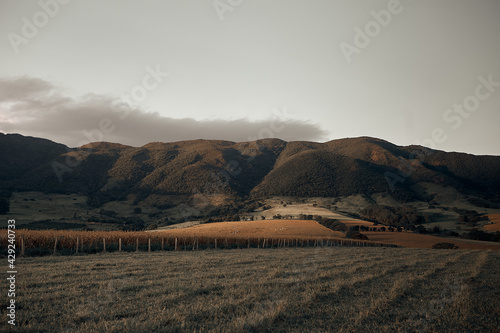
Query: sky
x: 409, y: 72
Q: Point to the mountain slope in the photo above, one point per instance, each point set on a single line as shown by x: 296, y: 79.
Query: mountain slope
x: 263, y: 168
x: 20, y: 154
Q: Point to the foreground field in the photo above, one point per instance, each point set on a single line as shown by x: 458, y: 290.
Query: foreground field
x: 289, y: 289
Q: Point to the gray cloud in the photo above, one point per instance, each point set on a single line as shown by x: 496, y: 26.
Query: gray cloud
x: 31, y: 106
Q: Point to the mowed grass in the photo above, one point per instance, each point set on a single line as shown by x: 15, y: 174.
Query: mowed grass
x: 333, y: 289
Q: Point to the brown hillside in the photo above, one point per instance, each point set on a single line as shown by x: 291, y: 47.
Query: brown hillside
x: 269, y: 167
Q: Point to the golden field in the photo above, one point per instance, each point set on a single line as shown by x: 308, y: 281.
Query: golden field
x: 414, y: 240
x: 268, y: 233
x: 495, y: 226
x: 263, y: 233
x: 289, y: 229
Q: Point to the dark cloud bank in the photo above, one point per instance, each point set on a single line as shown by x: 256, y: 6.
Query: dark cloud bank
x: 31, y: 106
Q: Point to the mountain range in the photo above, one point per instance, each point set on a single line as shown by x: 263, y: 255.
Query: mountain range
x: 263, y: 168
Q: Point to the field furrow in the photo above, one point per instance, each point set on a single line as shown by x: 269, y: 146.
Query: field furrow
x: 414, y: 298
x: 261, y: 290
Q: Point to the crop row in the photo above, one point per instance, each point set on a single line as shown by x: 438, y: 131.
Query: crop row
x: 44, y: 242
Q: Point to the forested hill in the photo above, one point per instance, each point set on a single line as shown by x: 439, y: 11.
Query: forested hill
x: 261, y: 168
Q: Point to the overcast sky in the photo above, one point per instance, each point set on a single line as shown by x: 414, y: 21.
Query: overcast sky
x: 410, y: 72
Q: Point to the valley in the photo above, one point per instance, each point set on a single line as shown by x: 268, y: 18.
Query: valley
x: 270, y: 233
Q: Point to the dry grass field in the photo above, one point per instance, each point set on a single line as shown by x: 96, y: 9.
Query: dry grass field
x: 353, y: 222
x: 495, y: 219
x: 264, y: 233
x: 294, y: 209
x: 292, y: 229
x: 414, y: 240
x: 34, y: 206
x: 289, y: 229
x: 271, y: 290
x: 67, y: 242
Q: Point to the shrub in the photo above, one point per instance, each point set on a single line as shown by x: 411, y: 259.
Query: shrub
x: 403, y: 216
x: 445, y: 246
x: 483, y: 236
x: 110, y: 213
x: 359, y: 236
x: 4, y: 205
x: 332, y: 224
x: 421, y: 229
x: 355, y: 235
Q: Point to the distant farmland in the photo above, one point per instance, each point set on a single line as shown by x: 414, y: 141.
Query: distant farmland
x: 289, y: 229
x: 336, y: 289
x: 308, y: 229
x: 415, y: 240
x: 221, y: 235
x: 495, y: 220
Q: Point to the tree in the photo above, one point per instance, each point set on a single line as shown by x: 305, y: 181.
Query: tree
x: 421, y: 229
x: 444, y: 246
x: 355, y: 235
x: 4, y: 205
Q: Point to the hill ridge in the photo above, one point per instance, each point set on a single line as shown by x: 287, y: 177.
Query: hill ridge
x: 259, y: 168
